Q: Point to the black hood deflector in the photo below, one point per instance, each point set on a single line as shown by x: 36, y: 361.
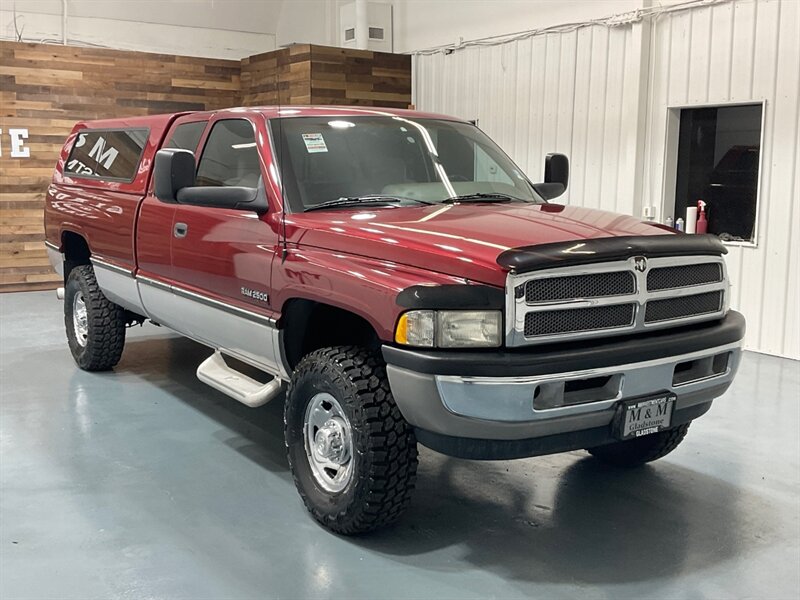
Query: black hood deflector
x: 597, y: 250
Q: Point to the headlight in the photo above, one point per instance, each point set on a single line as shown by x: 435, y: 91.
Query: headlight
x: 450, y: 328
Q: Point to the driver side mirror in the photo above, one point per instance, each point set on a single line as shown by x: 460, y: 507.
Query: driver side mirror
x: 556, y: 176
x: 174, y: 183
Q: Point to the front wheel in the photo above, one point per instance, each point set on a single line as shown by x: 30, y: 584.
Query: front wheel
x: 638, y: 451
x: 352, y: 455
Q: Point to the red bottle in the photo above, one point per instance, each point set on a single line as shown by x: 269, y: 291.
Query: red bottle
x: 702, y: 223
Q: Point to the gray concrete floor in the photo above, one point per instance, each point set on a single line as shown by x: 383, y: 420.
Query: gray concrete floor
x: 145, y: 483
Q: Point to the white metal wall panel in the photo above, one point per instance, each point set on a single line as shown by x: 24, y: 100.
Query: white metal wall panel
x: 603, y: 95
x: 742, y: 52
x: 550, y: 93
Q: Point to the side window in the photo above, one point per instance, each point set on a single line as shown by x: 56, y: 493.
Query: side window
x: 107, y: 154
x: 230, y: 157
x: 186, y: 136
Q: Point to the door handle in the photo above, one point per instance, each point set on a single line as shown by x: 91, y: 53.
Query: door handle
x: 180, y: 230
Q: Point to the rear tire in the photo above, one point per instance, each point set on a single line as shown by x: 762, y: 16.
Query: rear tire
x: 352, y: 455
x: 636, y: 452
x: 95, y: 325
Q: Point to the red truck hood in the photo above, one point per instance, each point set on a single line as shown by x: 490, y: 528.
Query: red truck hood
x: 461, y: 240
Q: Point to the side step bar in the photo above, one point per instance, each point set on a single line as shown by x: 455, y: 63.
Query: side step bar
x: 215, y: 372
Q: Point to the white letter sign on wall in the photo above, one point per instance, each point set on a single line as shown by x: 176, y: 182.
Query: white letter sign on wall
x: 18, y: 149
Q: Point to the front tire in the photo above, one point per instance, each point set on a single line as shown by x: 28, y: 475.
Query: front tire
x: 352, y: 455
x: 95, y: 325
x: 636, y: 452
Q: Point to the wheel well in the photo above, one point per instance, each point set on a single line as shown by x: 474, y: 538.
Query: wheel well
x: 76, y: 251
x: 310, y: 325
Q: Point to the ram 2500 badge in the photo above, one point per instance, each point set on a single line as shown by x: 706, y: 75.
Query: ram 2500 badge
x: 400, y: 279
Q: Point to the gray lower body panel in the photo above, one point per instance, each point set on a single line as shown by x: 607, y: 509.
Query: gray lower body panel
x: 251, y: 339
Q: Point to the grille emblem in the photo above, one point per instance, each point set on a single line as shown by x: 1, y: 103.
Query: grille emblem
x: 640, y: 263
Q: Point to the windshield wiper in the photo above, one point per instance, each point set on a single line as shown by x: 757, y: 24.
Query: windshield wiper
x: 366, y: 199
x: 482, y: 197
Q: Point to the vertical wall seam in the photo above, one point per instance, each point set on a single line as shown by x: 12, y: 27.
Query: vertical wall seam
x: 765, y: 206
x: 588, y: 110
x: 621, y: 127
x: 572, y: 108
x: 601, y: 161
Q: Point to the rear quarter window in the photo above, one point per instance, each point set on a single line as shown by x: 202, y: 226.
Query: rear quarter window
x: 111, y: 154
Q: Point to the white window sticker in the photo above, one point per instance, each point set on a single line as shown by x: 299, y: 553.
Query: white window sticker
x: 314, y: 142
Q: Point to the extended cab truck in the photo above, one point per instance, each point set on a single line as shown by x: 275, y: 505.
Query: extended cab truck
x: 401, y: 279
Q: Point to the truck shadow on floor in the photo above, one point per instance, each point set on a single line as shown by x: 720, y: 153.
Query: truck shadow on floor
x: 570, y: 518
x: 564, y: 518
x: 170, y: 362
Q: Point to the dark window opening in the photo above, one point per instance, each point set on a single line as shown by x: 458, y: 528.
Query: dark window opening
x: 718, y: 155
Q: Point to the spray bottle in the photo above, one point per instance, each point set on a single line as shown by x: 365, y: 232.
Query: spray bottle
x: 702, y: 223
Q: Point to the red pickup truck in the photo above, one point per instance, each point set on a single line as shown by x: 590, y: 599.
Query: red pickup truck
x: 401, y: 279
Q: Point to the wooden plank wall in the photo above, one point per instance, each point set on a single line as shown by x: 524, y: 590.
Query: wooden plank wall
x: 309, y: 74
x: 47, y: 88
x: 277, y: 77
x: 362, y: 77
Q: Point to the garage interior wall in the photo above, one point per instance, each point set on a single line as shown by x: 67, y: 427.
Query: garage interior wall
x: 602, y: 95
x: 46, y: 88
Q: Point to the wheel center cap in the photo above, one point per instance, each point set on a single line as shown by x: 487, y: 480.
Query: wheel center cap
x: 329, y: 442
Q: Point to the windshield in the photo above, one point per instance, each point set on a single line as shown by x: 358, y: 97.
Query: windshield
x: 325, y: 159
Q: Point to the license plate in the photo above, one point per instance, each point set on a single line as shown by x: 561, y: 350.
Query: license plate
x: 644, y: 416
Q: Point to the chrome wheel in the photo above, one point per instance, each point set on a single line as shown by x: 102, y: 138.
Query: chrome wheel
x: 80, y: 319
x: 328, y: 442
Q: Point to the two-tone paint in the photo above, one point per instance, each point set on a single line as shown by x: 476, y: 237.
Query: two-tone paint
x: 357, y: 260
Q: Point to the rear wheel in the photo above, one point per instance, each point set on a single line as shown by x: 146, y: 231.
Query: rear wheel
x: 352, y: 455
x: 95, y: 325
x: 635, y: 452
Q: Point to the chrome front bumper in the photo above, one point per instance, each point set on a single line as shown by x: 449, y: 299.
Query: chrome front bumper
x: 524, y: 407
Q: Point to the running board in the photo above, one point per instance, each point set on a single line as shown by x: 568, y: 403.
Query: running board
x: 215, y: 372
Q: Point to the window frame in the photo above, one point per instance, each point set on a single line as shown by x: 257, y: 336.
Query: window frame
x: 207, y: 133
x: 74, y: 175
x: 174, y: 128
x: 670, y: 174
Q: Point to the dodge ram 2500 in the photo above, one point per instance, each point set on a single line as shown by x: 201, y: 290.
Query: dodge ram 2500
x: 399, y: 280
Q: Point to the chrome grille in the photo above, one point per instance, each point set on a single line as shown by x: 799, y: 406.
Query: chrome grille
x: 669, y: 278
x: 571, y: 320
x: 684, y: 306
x: 613, y: 298
x: 613, y: 283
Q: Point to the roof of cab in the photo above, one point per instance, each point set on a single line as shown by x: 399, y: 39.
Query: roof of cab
x: 270, y: 112
x: 149, y: 121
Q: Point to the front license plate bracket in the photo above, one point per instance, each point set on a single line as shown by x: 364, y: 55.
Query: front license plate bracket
x: 643, y: 416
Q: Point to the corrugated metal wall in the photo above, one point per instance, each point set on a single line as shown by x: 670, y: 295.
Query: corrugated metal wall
x: 602, y: 96
x: 553, y: 93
